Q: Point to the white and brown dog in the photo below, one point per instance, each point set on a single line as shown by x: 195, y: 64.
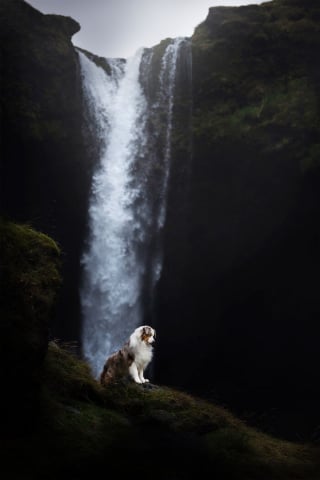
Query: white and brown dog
x: 132, y: 359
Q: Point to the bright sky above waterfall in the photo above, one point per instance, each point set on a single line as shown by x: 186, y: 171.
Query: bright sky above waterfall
x: 117, y: 28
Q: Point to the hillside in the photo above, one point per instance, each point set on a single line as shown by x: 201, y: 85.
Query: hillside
x: 58, y: 422
x: 83, y: 429
x: 239, y: 283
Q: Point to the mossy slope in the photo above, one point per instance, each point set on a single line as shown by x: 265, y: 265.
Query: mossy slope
x: 29, y: 281
x: 126, y: 428
x: 61, y: 423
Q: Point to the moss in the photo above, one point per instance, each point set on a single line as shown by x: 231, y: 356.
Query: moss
x: 66, y: 376
x: 30, y: 274
x: 29, y: 282
x: 248, y: 88
x: 185, y: 413
x: 84, y: 427
x: 260, y: 456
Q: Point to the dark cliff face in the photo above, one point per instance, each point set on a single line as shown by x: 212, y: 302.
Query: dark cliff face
x: 242, y: 299
x: 45, y: 174
x: 29, y: 283
x: 238, y: 304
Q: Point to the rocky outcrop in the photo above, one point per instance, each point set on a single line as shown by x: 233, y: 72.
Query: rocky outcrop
x: 45, y: 169
x: 29, y: 283
x: 242, y: 298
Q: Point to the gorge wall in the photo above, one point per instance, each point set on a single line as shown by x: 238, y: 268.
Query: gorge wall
x: 45, y: 168
x: 237, y: 304
x: 240, y: 282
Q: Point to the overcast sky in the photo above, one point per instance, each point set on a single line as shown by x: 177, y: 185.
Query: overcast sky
x: 117, y: 28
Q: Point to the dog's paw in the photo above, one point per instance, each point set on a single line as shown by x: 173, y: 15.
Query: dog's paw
x: 146, y: 380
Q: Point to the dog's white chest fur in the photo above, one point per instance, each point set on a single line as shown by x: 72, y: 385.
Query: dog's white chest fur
x: 142, y: 355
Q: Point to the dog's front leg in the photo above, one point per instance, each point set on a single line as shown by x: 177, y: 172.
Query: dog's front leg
x: 133, y: 371
x: 141, y: 376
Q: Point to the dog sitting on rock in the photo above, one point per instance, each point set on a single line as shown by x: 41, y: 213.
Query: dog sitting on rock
x: 132, y: 359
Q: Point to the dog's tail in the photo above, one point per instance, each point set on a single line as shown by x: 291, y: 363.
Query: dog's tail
x: 105, y: 376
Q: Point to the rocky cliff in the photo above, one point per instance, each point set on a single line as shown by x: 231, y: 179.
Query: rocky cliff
x: 29, y: 284
x: 45, y: 171
x: 242, y: 297
x: 239, y: 288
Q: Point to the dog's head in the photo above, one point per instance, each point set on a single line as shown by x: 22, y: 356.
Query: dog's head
x: 146, y: 334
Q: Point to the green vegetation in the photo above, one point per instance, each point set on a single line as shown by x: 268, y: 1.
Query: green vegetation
x: 77, y: 427
x: 60, y: 422
x: 29, y: 281
x: 256, y: 79
x: 82, y: 427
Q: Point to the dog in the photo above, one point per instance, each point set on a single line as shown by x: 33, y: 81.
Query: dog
x: 132, y: 359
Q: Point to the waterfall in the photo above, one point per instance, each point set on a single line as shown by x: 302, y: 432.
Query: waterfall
x: 122, y: 260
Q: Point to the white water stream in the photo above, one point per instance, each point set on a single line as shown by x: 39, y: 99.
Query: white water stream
x: 120, y: 215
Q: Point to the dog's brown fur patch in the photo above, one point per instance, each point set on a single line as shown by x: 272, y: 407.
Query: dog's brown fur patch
x: 116, y: 366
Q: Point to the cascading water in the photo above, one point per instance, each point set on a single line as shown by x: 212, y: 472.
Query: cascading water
x: 122, y: 261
